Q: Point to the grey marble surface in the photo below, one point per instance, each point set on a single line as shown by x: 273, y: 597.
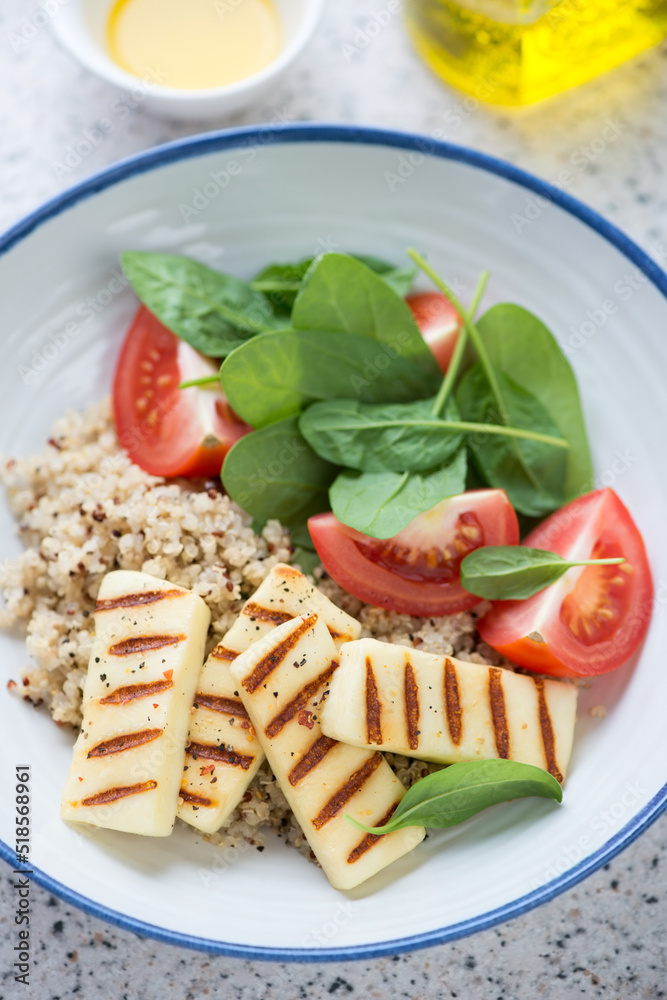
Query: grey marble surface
x: 605, y: 938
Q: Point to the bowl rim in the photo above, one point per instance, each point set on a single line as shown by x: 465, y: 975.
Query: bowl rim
x: 102, y: 65
x: 228, y: 139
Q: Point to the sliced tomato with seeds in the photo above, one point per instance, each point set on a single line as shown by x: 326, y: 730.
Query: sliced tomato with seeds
x: 592, y: 619
x: 169, y: 431
x: 438, y: 322
x: 418, y: 571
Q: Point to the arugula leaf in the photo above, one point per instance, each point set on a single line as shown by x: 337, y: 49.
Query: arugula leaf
x: 380, y: 437
x: 343, y: 295
x: 272, y: 473
x: 516, y: 572
x: 532, y: 473
x: 381, y: 504
x: 519, y: 343
x: 274, y: 377
x: 451, y: 796
x: 213, y: 312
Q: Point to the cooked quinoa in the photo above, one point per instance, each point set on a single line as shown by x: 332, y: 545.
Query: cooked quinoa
x: 84, y: 509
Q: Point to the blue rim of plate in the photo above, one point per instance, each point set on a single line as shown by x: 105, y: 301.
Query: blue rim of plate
x: 184, y: 149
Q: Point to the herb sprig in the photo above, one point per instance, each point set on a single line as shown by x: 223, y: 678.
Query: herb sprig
x: 460, y: 791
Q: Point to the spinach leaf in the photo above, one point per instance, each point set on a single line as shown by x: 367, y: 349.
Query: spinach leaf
x: 281, y: 282
x: 515, y: 572
x: 213, y: 312
x: 381, y: 504
x: 451, y: 796
x: 398, y: 278
x: 272, y: 473
x: 519, y: 343
x: 531, y: 472
x: 380, y: 437
x: 270, y: 378
x: 305, y: 559
x: 343, y: 295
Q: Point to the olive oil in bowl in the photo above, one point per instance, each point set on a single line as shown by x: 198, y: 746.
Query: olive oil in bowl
x: 519, y: 51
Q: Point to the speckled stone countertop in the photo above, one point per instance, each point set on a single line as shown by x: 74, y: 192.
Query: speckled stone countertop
x: 605, y: 938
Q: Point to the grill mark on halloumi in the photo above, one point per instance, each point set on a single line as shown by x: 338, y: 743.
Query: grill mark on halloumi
x: 299, y: 701
x: 120, y: 792
x: 220, y: 754
x: 195, y: 800
x: 547, y: 731
x: 131, y: 692
x: 216, y: 703
x: 144, y: 644
x: 354, y: 783
x: 262, y: 614
x: 272, y: 660
x: 135, y: 600
x: 373, y: 706
x: 370, y: 839
x: 498, y: 714
x: 128, y: 741
x: 411, y: 689
x: 315, y: 753
x: 453, y: 703
x: 222, y: 653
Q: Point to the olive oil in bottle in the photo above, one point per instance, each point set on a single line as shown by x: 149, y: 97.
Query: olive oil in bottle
x: 519, y: 51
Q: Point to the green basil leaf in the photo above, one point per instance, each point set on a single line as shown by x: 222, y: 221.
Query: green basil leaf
x: 381, y: 504
x: 516, y: 572
x: 382, y: 437
x: 274, y: 377
x: 213, y: 312
x: 531, y: 473
x: 272, y: 473
x: 343, y: 295
x: 519, y: 343
x: 451, y: 796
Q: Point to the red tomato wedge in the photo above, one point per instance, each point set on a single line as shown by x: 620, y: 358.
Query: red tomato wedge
x: 438, y: 322
x: 591, y: 620
x: 417, y: 572
x: 169, y: 431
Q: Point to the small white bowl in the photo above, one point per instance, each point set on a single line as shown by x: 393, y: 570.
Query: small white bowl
x: 81, y: 29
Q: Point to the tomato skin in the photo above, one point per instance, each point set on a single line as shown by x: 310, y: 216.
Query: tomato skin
x: 439, y: 324
x: 169, y: 431
x: 345, y: 554
x: 580, y: 640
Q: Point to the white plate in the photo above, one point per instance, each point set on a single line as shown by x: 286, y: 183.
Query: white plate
x: 238, y: 200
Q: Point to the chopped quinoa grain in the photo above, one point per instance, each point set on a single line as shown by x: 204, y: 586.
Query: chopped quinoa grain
x: 84, y: 509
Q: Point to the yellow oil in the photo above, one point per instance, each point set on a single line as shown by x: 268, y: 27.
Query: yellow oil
x: 519, y: 51
x: 194, y: 44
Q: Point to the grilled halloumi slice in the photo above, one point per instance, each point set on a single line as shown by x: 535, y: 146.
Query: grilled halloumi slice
x: 283, y: 680
x: 146, y: 656
x: 223, y: 755
x: 445, y: 710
